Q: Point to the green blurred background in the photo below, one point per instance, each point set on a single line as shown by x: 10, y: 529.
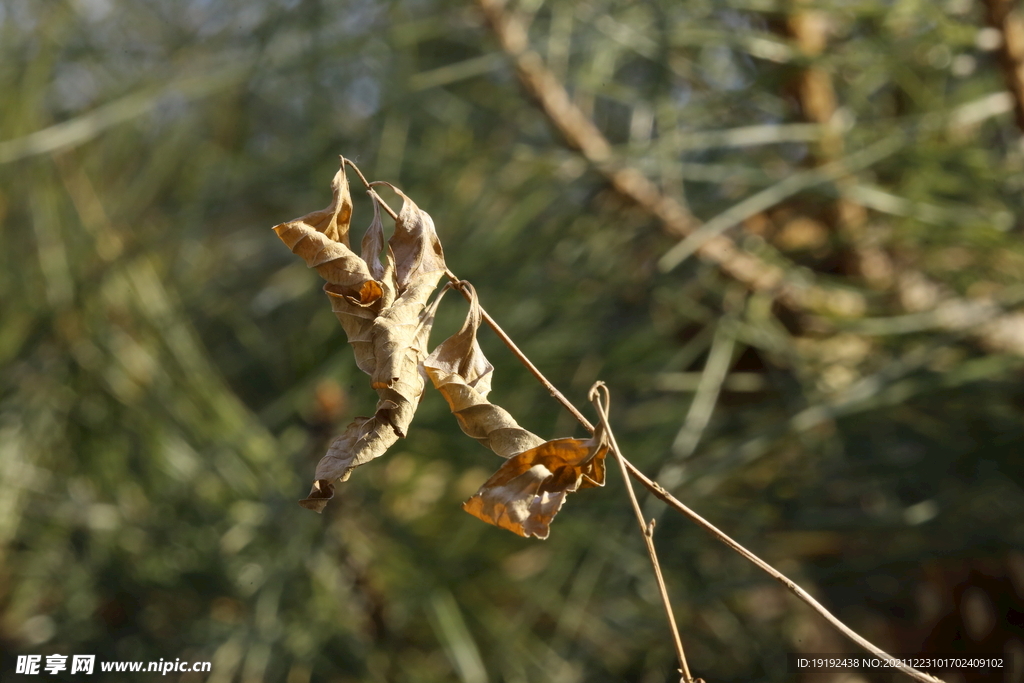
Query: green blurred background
x: 170, y: 374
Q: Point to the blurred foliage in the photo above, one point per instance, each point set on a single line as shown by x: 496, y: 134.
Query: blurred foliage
x: 170, y: 374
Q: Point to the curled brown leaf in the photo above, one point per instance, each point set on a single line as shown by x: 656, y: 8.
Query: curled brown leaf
x: 526, y: 493
x: 415, y: 246
x: 321, y: 239
x: 383, y: 309
x: 459, y: 370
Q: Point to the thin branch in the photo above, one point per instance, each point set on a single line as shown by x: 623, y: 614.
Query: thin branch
x: 601, y: 398
x: 660, y: 492
x: 520, y: 356
x: 668, y: 498
x: 790, y: 585
x: 369, y: 188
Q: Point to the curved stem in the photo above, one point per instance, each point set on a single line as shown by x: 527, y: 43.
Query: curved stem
x: 601, y: 398
x: 659, y: 492
x: 790, y: 585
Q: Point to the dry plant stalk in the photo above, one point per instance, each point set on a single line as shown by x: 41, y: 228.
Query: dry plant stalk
x: 384, y: 311
x: 601, y: 398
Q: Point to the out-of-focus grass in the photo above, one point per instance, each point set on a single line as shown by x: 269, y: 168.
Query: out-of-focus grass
x: 169, y: 375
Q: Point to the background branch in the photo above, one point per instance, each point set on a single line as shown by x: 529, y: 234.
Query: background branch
x: 581, y: 133
x: 1005, y: 17
x: 801, y: 294
x: 170, y: 373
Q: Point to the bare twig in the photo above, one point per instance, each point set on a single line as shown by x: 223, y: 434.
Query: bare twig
x: 790, y: 585
x: 660, y: 493
x: 601, y: 398
x: 369, y: 188
x: 668, y: 498
x: 555, y: 393
x: 721, y: 536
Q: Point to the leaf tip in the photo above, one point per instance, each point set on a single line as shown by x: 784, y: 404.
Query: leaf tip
x: 319, y: 495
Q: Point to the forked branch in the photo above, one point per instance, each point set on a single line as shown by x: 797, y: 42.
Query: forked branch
x: 601, y: 398
x: 659, y: 492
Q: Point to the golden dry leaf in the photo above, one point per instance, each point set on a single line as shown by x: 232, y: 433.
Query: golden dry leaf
x: 321, y: 239
x: 365, y: 439
x: 526, y: 493
x: 459, y: 370
x: 373, y: 244
x: 400, y: 332
x: 384, y: 313
x: 357, y: 296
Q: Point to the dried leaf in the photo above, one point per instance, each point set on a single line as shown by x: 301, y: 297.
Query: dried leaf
x: 459, y: 370
x: 526, y: 493
x: 415, y: 245
x: 356, y: 315
x: 419, y: 264
x: 321, y: 239
x: 373, y: 243
x: 383, y: 309
x: 367, y: 438
x: 356, y: 319
x: 362, y: 432
x: 461, y: 354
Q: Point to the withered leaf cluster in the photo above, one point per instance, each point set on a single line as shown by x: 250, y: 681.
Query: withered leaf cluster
x: 383, y: 311
x: 383, y: 308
